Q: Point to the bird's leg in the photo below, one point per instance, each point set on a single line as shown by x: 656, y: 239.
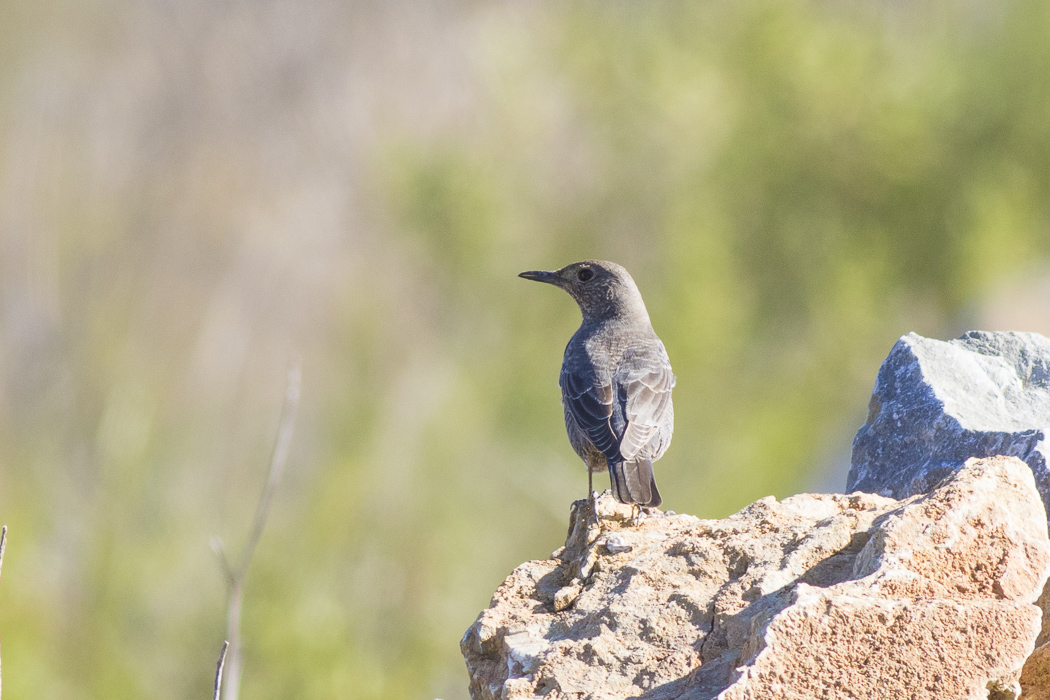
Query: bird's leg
x: 590, y: 495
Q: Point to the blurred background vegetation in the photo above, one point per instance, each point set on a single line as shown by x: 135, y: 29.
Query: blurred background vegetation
x: 191, y: 192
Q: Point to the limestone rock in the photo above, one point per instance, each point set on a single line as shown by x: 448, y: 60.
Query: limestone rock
x: 815, y: 596
x: 937, y: 403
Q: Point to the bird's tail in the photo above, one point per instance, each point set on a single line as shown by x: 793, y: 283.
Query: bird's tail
x: 633, y: 482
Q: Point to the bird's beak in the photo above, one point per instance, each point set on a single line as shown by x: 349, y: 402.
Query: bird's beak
x: 541, y: 276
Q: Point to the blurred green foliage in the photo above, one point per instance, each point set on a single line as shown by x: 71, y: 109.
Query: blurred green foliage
x: 192, y: 191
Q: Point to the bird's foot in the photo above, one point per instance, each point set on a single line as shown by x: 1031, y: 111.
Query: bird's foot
x: 593, y: 498
x: 640, y: 513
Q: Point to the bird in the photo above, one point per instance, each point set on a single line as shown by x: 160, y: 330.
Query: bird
x: 615, y: 381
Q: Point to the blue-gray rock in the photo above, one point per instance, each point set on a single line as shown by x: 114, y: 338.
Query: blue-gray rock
x: 938, y: 403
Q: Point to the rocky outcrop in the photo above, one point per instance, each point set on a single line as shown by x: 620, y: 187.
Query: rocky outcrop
x: 938, y: 403
x: 818, y: 595
x: 829, y: 596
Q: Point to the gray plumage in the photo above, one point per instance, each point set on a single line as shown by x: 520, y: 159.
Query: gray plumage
x: 615, y: 380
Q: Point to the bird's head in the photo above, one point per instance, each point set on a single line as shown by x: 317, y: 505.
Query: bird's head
x: 602, y: 289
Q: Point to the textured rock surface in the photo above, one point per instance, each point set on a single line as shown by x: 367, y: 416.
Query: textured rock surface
x: 1035, y: 678
x: 938, y: 403
x: 829, y: 596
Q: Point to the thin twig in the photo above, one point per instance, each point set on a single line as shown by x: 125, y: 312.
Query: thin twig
x: 219, y: 548
x: 233, y: 631
x: 277, y: 460
x: 218, y: 669
x: 3, y: 546
x: 236, y: 575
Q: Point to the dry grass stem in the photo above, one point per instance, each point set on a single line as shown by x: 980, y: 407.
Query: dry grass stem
x: 237, y: 574
x: 218, y: 669
x: 3, y: 546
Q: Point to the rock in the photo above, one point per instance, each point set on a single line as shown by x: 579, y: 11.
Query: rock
x: 818, y: 595
x: 1035, y: 677
x: 617, y: 544
x: 937, y: 403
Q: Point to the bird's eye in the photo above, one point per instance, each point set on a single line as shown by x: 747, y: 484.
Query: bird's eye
x: 585, y: 274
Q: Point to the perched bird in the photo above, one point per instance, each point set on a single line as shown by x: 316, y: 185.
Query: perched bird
x: 615, y: 380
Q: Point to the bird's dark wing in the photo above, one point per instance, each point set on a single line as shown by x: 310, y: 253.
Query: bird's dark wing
x: 644, y: 386
x: 590, y: 402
